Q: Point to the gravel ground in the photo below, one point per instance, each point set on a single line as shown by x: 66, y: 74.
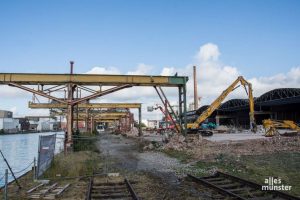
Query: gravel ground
x: 158, y: 161
x: 157, y: 173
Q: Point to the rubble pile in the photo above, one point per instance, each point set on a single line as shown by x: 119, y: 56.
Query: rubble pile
x: 201, y: 148
x: 222, y: 129
x: 134, y: 132
x: 178, y: 142
x: 209, y: 150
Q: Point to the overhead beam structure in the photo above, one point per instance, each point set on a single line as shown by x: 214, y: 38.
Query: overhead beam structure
x: 99, y: 118
x: 103, y: 115
x: 91, y: 79
x: 72, y: 81
x: 96, y: 114
x: 105, y: 120
x: 91, y: 106
x: 84, y: 105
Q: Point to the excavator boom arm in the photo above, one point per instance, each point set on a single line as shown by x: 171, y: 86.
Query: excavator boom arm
x: 216, y: 103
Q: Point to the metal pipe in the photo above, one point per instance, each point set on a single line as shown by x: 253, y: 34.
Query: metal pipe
x: 6, y: 184
x: 71, y: 67
x: 184, y: 110
x: 195, y: 88
x: 36, y: 92
x: 77, y: 110
x: 34, y: 168
x: 87, y: 89
x: 166, y: 110
x: 98, y: 94
x: 53, y: 87
x: 10, y: 170
x: 180, y: 105
x: 167, y: 113
x: 168, y: 103
x: 140, y: 122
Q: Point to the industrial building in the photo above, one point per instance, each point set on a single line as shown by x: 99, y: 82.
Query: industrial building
x: 7, y: 123
x: 279, y: 104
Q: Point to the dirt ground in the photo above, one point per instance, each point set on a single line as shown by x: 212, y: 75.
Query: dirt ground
x: 154, y: 172
x: 159, y: 170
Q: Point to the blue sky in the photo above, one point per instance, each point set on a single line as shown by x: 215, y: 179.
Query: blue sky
x: 258, y: 39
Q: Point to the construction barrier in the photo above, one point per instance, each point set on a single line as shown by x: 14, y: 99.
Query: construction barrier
x: 45, y: 153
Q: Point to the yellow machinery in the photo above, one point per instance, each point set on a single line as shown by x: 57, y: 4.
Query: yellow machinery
x: 195, y: 126
x: 271, y: 126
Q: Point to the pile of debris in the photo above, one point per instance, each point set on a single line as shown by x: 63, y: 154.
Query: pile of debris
x: 209, y: 150
x: 179, y: 142
x: 134, y: 132
x: 201, y: 148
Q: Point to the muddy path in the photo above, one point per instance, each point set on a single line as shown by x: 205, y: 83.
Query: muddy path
x: 155, y: 171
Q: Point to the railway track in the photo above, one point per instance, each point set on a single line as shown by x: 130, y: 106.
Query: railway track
x: 238, y: 188
x: 110, y: 190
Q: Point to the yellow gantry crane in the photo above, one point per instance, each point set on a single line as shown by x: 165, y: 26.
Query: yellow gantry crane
x: 195, y: 126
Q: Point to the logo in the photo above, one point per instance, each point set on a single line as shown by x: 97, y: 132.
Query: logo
x: 272, y: 183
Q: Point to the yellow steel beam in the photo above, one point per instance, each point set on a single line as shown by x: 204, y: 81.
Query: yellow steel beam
x: 83, y: 114
x: 85, y: 105
x: 112, y: 114
x: 103, y: 115
x: 100, y: 118
x: 91, y: 79
x: 105, y: 121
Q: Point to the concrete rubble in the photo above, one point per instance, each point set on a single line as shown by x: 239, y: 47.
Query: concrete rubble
x: 201, y: 148
x: 134, y: 132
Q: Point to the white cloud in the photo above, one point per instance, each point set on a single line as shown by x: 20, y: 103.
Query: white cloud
x: 208, y: 52
x: 12, y: 92
x: 168, y: 71
x: 212, y: 75
x: 104, y: 70
x: 291, y: 79
x: 142, y: 69
x: 13, y: 109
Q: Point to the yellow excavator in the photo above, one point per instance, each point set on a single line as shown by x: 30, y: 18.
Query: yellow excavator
x: 271, y: 126
x: 196, y: 126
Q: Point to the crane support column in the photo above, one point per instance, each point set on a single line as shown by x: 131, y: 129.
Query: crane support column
x: 184, y: 110
x: 86, y: 119
x: 69, y: 125
x: 70, y: 110
x: 195, y: 88
x: 140, y: 122
x: 180, y: 104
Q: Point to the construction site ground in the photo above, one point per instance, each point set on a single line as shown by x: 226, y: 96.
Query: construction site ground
x: 217, y: 137
x: 159, y: 169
